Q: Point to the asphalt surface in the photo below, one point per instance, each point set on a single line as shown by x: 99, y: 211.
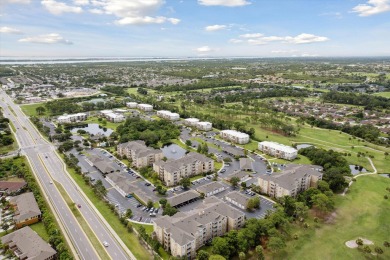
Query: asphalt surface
x: 48, y: 166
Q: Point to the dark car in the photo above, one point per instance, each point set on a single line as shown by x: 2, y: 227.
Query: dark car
x: 147, y: 184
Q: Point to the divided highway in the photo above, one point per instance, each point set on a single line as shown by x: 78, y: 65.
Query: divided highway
x: 48, y: 166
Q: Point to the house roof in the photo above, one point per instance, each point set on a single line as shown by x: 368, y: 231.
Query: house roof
x: 183, y: 197
x: 238, y: 197
x: 246, y: 163
x: 29, y: 243
x: 27, y: 206
x: 11, y: 186
x: 209, y: 187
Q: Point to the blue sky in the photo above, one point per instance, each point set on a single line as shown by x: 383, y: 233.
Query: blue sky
x: 194, y: 28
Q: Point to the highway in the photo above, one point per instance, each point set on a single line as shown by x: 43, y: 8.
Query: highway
x: 48, y: 166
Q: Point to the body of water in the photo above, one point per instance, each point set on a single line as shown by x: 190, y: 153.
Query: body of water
x: 355, y: 169
x: 93, y: 129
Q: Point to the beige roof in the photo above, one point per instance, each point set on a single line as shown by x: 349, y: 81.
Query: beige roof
x: 246, y: 164
x: 139, y: 147
x: 29, y: 243
x: 183, y: 197
x: 238, y: 197
x: 209, y: 187
x: 182, y: 226
x: 190, y: 158
x: 27, y: 206
x: 103, y: 165
x: 291, y: 174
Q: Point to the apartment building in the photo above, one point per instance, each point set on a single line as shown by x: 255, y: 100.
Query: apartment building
x: 204, y: 126
x: 172, y: 171
x: 25, y: 243
x: 66, y: 119
x: 234, y: 136
x: 131, y: 104
x: 115, y: 117
x: 191, y: 121
x: 26, y: 209
x: 185, y: 232
x: 145, y: 107
x: 139, y: 153
x: 278, y: 150
x: 168, y: 115
x: 291, y: 181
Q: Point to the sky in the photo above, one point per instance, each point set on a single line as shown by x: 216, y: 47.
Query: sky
x: 194, y: 28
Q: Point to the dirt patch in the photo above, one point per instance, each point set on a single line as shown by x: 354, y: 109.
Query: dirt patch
x: 331, y: 218
x: 352, y: 243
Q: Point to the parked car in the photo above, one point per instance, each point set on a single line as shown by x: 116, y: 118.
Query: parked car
x: 129, y: 196
x: 139, y: 205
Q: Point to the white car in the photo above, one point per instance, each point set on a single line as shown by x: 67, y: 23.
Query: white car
x: 105, y: 243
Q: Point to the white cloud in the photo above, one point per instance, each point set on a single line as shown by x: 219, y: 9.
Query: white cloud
x: 132, y: 12
x: 283, y: 51
x: 51, y: 38
x: 15, y: 2
x: 251, y: 35
x: 146, y: 20
x: 372, y: 7
x: 260, y: 39
x: 305, y: 38
x: 236, y: 41
x: 58, y: 8
x: 6, y: 29
x: 204, y: 49
x: 229, y: 3
x: 96, y: 11
x: 216, y: 27
x: 81, y: 2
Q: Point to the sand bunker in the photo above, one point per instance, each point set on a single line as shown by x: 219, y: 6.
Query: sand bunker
x: 352, y: 243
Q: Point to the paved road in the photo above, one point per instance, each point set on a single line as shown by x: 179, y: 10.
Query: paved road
x: 47, y: 166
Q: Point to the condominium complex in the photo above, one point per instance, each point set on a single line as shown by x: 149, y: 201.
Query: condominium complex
x: 131, y: 104
x: 235, y: 136
x: 25, y: 243
x: 145, y: 107
x: 26, y: 209
x: 278, y: 150
x: 185, y: 232
x: 191, y: 121
x: 211, y: 188
x: 139, y: 153
x: 115, y: 117
x: 172, y: 171
x: 66, y: 119
x: 204, y: 126
x: 291, y: 181
x: 168, y: 115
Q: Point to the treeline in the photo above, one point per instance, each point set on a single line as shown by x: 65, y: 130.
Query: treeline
x: 42, y: 128
x: 274, y: 230
x: 244, y: 96
x: 201, y: 84
x: 117, y: 90
x: 152, y: 132
x: 369, y: 101
x: 69, y: 106
x: 367, y: 132
x: 56, y: 239
x: 99, y: 80
x: 335, y: 166
x: 5, y: 138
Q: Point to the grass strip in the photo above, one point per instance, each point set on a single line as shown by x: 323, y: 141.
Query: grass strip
x: 80, y: 219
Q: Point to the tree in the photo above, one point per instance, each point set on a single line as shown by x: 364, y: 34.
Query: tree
x: 128, y: 213
x: 221, y: 247
x: 359, y: 242
x: 40, y: 110
x: 259, y: 252
x: 203, y: 255
x: 150, y: 204
x: 378, y: 250
x: 185, y: 182
x: 5, y: 227
x: 253, y: 203
x: 217, y: 257
x: 301, y: 210
x: 323, y: 203
x: 275, y: 244
x: 242, y: 256
x: 188, y: 142
x: 163, y: 202
x: 243, y: 185
x: 367, y: 249
x: 234, y: 181
x: 169, y: 210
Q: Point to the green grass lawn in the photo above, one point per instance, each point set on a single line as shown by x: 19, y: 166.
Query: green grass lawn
x: 130, y: 239
x: 41, y: 231
x: 383, y: 94
x: 108, y: 124
x: 30, y: 109
x: 363, y: 212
